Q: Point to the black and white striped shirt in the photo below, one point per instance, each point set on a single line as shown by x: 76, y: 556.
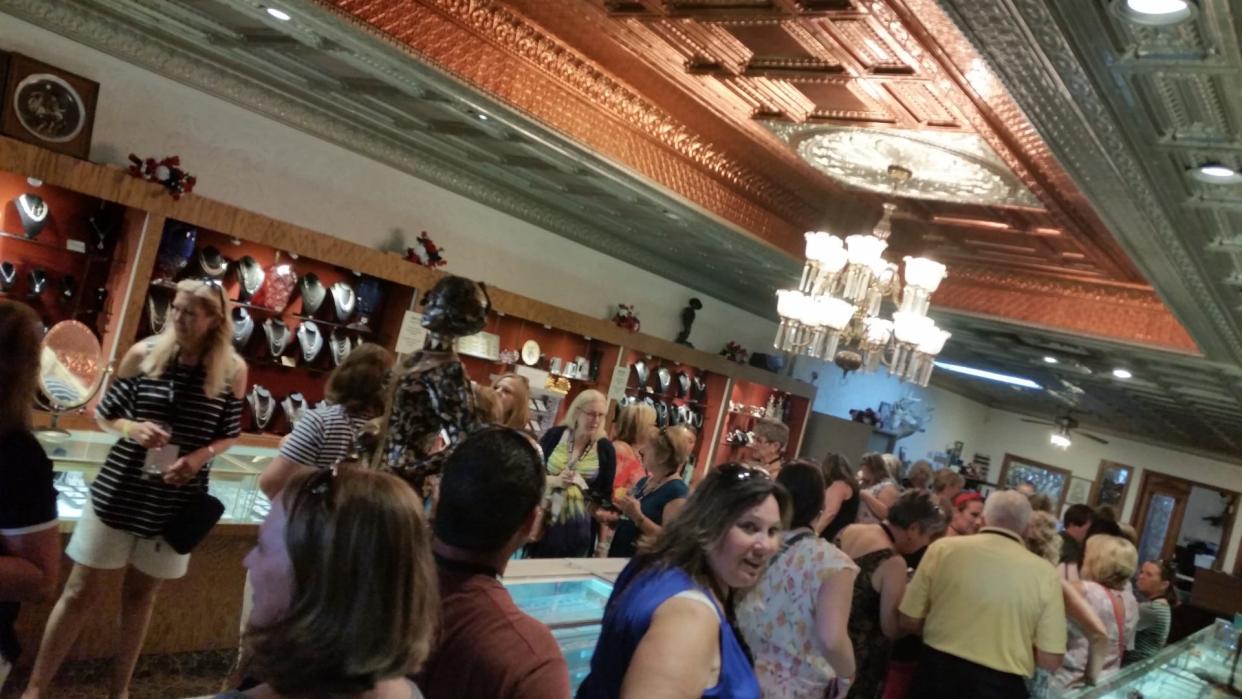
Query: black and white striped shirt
x: 322, y: 437
x: 122, y: 495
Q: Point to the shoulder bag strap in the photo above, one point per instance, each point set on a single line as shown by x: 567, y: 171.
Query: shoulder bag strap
x: 1119, y: 617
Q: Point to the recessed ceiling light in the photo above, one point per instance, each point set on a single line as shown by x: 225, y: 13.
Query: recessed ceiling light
x: 989, y: 375
x: 1122, y: 373
x: 279, y: 14
x: 1154, y: 13
x: 1051, y: 360
x: 1215, y: 173
x: 483, y: 117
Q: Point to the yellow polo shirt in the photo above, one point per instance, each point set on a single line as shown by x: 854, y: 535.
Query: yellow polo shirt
x: 986, y: 599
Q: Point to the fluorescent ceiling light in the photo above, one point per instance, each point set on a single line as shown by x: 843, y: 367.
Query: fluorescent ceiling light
x: 989, y: 375
x: 1154, y: 13
x: 1122, y: 373
x: 279, y: 14
x: 1051, y: 360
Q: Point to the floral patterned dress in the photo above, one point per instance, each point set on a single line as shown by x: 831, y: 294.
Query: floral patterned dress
x: 777, y: 618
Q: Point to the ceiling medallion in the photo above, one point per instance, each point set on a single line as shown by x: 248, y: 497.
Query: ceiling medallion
x: 954, y: 167
x: 838, y: 303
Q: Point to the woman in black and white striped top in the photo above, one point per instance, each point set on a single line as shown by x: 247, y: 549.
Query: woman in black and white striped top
x: 354, y: 393
x: 176, y: 404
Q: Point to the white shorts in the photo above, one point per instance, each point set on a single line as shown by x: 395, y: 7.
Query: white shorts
x: 96, y: 545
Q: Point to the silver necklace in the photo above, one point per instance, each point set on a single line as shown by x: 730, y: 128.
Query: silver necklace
x: 32, y: 210
x: 8, y: 275
x: 310, y: 340
x: 262, y: 406
x: 243, y: 327
x: 641, y: 370
x: 157, y: 309
x: 213, y: 263
x: 295, y: 407
x: 277, y: 336
x: 250, y: 276
x: 344, y: 299
x: 339, y: 343
x: 312, y: 293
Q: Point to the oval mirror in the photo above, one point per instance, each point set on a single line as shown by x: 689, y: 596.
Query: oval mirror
x: 71, y: 366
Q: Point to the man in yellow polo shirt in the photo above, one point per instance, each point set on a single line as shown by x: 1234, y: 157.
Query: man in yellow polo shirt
x: 989, y: 610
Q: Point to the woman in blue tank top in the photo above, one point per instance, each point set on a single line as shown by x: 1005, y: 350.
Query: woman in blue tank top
x: 668, y: 625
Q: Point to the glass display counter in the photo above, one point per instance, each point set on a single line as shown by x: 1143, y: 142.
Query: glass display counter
x: 234, y: 476
x: 573, y: 609
x: 1201, y: 666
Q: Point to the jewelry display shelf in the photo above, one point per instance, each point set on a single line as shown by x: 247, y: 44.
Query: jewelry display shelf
x: 39, y: 243
x: 146, y: 208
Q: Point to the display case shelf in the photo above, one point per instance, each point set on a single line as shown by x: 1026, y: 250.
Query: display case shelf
x: 1196, y: 667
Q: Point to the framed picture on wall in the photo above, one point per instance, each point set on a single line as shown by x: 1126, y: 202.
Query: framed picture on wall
x: 1079, y: 491
x: 1052, y: 481
x: 1111, y: 485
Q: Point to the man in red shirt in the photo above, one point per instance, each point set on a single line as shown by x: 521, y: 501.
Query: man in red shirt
x: 486, y: 647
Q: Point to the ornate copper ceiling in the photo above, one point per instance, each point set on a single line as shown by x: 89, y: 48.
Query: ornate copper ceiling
x: 686, y: 93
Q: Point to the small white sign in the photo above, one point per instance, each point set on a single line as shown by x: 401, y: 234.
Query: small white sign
x: 620, y: 377
x: 76, y: 245
x: 484, y: 345
x: 412, y: 335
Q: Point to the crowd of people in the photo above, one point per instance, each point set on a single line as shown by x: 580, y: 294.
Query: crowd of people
x: 767, y: 578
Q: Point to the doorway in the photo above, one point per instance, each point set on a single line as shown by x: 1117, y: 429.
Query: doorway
x: 1183, y: 520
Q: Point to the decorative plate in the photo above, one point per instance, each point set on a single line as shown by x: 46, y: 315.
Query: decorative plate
x: 530, y: 352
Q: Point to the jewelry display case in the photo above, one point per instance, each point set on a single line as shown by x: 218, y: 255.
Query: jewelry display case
x: 1200, y: 666
x: 681, y: 394
x: 234, y: 476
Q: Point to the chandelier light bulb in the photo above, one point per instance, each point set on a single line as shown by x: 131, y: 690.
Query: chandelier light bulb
x: 789, y: 303
x: 865, y: 250
x: 826, y: 249
x: 933, y: 341
x: 832, y: 313
x: 879, y: 331
x: 910, y: 328
x: 923, y: 273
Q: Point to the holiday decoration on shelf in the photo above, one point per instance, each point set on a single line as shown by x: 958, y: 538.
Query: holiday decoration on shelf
x: 425, y: 252
x: 626, y: 317
x: 866, y: 417
x: 735, y: 352
x: 166, y: 172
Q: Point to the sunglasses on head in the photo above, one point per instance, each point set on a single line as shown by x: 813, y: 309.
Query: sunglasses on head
x: 215, y: 284
x: 740, y: 473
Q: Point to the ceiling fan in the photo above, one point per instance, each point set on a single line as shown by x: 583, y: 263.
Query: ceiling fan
x: 1066, y: 425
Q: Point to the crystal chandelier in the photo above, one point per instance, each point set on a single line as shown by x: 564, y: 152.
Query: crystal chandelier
x: 834, y: 314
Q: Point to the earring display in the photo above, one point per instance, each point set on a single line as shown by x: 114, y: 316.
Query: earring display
x: 313, y: 293
x: 38, y: 282
x: 32, y: 211
x: 243, y: 328
x: 262, y: 406
x: 249, y: 277
x: 310, y: 339
x: 277, y: 336
x: 340, y: 346
x: 344, y: 301
x: 8, y: 275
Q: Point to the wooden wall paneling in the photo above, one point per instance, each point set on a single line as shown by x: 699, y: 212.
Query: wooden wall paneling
x: 719, y: 426
x: 115, y: 184
x: 128, y: 283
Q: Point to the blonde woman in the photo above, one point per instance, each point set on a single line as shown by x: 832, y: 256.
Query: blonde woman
x: 1108, y: 563
x: 1042, y: 539
x: 581, y: 465
x: 176, y: 405
x: 513, y: 391
x: 877, y: 480
x: 633, y: 425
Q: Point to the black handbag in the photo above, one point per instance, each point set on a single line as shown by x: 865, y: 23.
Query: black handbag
x: 190, y: 526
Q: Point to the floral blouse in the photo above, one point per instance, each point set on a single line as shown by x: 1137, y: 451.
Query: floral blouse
x: 777, y: 617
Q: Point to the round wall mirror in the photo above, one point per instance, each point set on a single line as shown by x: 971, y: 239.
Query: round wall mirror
x: 71, y: 366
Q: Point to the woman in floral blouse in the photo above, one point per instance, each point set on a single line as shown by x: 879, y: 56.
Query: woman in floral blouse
x: 795, y: 620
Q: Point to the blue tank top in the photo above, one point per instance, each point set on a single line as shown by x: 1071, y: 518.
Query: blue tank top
x: 633, y: 602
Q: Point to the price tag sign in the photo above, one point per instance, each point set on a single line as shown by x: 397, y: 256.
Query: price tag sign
x: 620, y: 377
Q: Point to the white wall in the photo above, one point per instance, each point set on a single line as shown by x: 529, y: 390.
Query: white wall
x: 259, y: 164
x: 1203, y: 502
